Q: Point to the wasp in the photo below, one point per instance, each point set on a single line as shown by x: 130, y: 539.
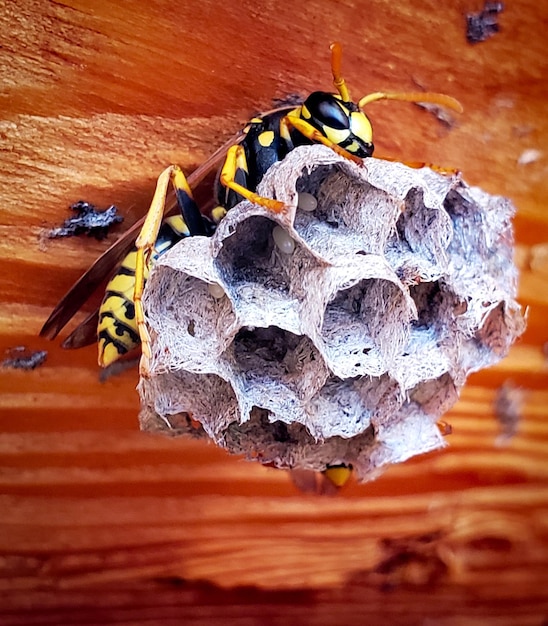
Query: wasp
x: 331, y: 119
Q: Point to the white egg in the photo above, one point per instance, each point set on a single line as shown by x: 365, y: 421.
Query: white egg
x: 283, y: 240
x: 215, y: 290
x: 306, y: 202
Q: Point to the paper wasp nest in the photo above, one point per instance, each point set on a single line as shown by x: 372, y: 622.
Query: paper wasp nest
x: 349, y: 348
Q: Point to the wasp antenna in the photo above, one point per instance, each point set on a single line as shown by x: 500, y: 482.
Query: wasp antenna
x: 418, y: 96
x: 338, y: 80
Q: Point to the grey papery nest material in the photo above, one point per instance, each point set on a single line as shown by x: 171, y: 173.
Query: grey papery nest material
x: 350, y: 348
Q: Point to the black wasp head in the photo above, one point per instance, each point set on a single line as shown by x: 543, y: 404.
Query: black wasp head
x: 341, y: 122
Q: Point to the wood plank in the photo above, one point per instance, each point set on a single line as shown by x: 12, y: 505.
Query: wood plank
x: 102, y: 524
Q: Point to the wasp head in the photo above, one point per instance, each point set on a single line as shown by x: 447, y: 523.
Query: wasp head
x: 340, y: 121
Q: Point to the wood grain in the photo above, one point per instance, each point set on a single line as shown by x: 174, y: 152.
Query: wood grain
x: 102, y: 524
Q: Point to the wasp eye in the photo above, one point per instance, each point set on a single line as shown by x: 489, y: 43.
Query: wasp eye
x: 327, y: 110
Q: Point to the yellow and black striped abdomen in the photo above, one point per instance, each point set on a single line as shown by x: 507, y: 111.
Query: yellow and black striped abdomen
x: 117, y: 331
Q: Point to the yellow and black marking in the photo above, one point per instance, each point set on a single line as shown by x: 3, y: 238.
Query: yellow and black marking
x: 117, y: 331
x: 338, y: 475
x: 326, y: 483
x: 331, y: 119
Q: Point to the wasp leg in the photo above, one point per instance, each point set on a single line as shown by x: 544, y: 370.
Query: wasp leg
x: 147, y: 239
x: 235, y: 159
x: 315, y: 136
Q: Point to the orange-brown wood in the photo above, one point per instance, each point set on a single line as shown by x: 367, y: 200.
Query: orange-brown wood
x: 103, y: 524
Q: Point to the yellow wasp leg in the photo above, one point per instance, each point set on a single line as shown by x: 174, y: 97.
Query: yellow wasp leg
x: 314, y: 135
x: 414, y: 96
x: 338, y: 80
x: 145, y: 247
x: 234, y: 157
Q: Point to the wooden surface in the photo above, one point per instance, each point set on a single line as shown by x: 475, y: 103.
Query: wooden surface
x: 101, y: 524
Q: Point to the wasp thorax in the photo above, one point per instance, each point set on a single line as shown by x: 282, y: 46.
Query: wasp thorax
x: 346, y: 331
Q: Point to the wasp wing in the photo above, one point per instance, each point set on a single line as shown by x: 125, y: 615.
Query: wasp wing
x: 85, y: 286
x: 84, y: 334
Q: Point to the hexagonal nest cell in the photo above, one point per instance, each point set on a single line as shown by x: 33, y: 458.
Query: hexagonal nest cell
x: 347, y: 346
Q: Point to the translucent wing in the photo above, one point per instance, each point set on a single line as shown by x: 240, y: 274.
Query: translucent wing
x: 85, y: 286
x: 84, y: 334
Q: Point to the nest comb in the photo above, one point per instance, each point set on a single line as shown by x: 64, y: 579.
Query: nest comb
x: 348, y: 348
